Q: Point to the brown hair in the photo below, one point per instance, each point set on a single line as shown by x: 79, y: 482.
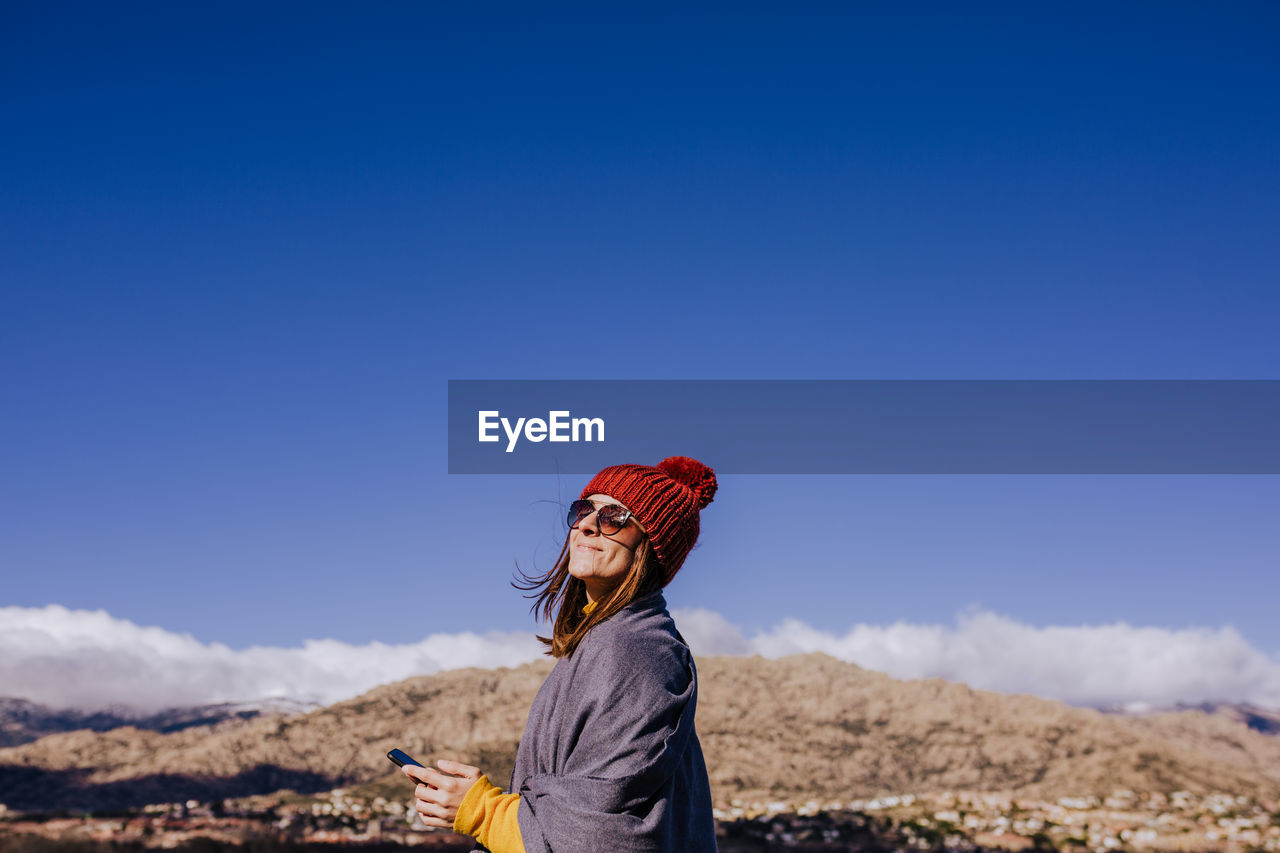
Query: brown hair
x: 563, y: 596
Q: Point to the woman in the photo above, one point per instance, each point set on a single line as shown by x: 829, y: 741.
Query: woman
x: 609, y: 760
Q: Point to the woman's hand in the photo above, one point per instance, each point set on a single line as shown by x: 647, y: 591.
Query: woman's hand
x: 439, y: 794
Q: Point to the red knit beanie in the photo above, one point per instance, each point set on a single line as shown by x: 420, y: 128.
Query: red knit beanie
x: 665, y: 499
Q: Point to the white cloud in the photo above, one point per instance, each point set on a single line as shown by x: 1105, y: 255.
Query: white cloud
x: 89, y: 659
x: 1099, y: 665
x: 707, y: 632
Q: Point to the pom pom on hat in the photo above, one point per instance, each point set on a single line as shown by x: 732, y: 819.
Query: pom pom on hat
x: 666, y: 499
x: 689, y: 472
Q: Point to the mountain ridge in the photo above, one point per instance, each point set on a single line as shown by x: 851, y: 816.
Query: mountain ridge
x: 23, y: 721
x: 795, y: 728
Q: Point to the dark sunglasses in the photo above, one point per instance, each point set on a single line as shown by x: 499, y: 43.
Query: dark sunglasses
x: 610, y: 518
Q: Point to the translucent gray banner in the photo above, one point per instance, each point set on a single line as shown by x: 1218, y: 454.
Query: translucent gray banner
x: 868, y: 426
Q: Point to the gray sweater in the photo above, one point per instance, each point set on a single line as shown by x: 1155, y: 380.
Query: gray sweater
x: 609, y: 760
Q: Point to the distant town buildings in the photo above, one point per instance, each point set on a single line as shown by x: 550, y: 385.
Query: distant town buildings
x: 950, y: 821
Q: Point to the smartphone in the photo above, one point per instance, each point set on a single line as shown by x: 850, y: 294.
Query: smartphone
x: 400, y: 758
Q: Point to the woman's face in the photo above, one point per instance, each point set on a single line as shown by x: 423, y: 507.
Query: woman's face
x: 601, y: 562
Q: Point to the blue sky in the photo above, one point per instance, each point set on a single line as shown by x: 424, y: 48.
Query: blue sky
x: 243, y: 250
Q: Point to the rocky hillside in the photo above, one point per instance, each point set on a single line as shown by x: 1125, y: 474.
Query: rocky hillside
x: 22, y: 721
x: 796, y: 728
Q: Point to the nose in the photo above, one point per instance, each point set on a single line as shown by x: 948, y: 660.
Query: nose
x: 590, y: 524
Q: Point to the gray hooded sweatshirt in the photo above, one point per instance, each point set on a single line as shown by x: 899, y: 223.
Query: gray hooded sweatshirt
x: 609, y: 760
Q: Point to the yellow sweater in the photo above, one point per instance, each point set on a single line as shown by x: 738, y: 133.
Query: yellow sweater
x: 490, y: 816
